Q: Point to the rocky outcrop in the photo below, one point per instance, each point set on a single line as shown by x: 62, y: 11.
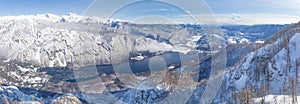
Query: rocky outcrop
x: 66, y: 99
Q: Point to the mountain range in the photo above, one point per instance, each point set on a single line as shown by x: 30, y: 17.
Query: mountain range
x: 48, y: 58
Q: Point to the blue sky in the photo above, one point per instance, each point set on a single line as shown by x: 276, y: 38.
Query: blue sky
x: 224, y: 10
x: 26, y: 7
x: 290, y: 7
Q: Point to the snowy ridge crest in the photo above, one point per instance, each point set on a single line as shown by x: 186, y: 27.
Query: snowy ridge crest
x: 71, y: 17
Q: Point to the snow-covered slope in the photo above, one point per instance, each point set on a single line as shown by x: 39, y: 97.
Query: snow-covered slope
x: 271, y: 69
x: 277, y: 99
x: 12, y: 94
x: 48, y: 40
x: 39, y: 52
x: 254, y: 73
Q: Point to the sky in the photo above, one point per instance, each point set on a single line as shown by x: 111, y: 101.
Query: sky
x: 203, y: 11
x: 29, y: 7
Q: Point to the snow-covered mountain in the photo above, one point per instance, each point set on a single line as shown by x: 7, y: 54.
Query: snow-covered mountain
x: 56, y: 41
x: 39, y: 54
x: 270, y: 69
x: 254, y: 73
x: 46, y: 41
x: 243, y: 34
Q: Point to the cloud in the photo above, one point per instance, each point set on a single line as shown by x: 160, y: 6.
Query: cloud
x: 162, y: 9
x: 250, y: 19
x: 240, y: 19
x: 236, y: 17
x: 167, y: 10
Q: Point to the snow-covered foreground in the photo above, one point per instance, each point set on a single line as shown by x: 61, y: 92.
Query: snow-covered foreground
x: 12, y: 95
x: 277, y: 99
